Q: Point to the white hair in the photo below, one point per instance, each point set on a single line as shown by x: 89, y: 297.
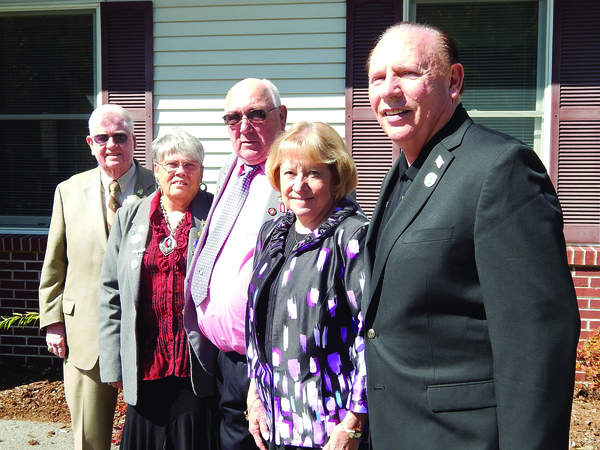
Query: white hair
x: 99, y: 112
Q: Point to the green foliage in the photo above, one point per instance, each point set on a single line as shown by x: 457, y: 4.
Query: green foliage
x: 588, y: 359
x: 19, y: 320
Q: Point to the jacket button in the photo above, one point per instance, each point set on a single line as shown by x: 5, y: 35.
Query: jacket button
x: 371, y: 333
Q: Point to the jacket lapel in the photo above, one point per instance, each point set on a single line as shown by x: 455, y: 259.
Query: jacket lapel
x: 273, y: 207
x: 144, y: 182
x: 419, y: 192
x: 97, y: 221
x: 138, y: 234
x: 372, y: 232
x: 386, y: 186
x: 214, y: 204
x: 200, y: 206
x: 425, y: 183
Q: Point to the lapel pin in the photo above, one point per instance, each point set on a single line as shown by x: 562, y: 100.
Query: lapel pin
x: 430, y: 179
x: 439, y: 161
x: 272, y: 211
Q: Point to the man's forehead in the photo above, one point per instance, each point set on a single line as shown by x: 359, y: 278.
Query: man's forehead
x: 110, y: 119
x: 403, y: 46
x: 248, y: 104
x: 248, y: 97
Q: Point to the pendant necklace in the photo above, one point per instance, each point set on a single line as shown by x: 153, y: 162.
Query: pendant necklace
x: 168, y: 244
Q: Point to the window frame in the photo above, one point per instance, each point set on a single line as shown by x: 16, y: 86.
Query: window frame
x: 38, y: 225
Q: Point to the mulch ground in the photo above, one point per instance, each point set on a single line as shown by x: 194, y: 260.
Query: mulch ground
x: 39, y: 396
x: 35, y: 396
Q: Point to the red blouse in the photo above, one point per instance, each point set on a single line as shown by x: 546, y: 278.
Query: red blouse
x: 162, y: 338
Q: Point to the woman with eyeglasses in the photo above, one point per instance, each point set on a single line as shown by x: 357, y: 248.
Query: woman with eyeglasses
x: 144, y: 348
x: 303, y: 323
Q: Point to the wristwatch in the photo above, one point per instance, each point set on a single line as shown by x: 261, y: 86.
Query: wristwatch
x: 352, y: 434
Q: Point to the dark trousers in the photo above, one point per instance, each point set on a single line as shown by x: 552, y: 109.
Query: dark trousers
x: 232, y: 384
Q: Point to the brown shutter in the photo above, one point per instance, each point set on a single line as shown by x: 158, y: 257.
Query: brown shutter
x: 575, y: 139
x: 370, y: 147
x: 126, y: 35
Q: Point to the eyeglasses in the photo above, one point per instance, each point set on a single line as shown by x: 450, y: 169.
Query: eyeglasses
x: 254, y: 116
x: 172, y: 166
x: 118, y: 138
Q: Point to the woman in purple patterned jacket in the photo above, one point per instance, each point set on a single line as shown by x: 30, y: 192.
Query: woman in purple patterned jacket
x: 303, y: 327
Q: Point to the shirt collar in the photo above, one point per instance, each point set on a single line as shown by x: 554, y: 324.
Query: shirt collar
x: 124, y: 180
x: 458, y: 117
x: 242, y: 168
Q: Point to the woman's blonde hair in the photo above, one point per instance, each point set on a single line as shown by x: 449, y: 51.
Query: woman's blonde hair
x: 318, y: 143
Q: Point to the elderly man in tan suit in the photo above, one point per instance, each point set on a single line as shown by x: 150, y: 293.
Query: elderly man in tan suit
x: 84, y: 206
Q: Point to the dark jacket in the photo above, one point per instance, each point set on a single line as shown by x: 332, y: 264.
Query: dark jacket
x: 307, y: 306
x: 470, y: 313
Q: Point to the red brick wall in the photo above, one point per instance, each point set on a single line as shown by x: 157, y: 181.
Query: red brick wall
x: 21, y: 260
x: 585, y: 268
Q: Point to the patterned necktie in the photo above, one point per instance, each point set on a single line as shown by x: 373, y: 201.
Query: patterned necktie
x: 113, y: 201
x: 230, y: 205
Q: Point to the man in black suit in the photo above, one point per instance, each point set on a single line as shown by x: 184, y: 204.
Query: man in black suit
x: 470, y: 312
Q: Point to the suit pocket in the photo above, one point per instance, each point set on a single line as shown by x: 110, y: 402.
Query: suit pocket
x: 461, y: 396
x: 428, y: 234
x: 68, y: 306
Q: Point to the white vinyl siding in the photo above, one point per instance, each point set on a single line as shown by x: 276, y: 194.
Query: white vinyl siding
x: 202, y: 48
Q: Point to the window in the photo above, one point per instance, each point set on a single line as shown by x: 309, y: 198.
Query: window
x: 48, y: 92
x: 502, y: 47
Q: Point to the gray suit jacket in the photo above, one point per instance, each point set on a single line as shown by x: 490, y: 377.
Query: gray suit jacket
x: 76, y: 245
x: 119, y: 297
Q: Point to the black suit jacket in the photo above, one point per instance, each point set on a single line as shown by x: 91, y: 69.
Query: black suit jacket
x: 470, y: 311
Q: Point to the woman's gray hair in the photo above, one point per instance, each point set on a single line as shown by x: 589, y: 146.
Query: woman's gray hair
x: 177, y: 142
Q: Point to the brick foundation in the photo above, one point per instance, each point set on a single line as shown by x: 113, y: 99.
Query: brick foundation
x: 585, y: 269
x: 21, y: 258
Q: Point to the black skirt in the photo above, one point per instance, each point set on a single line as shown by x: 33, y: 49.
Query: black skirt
x: 169, y: 416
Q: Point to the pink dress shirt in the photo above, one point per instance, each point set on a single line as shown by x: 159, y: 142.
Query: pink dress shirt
x: 221, y: 317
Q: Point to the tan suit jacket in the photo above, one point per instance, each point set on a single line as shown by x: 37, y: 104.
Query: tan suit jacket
x: 74, y: 254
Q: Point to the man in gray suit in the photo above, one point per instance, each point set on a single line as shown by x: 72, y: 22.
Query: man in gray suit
x: 470, y: 313
x: 81, y: 216
x: 217, y: 285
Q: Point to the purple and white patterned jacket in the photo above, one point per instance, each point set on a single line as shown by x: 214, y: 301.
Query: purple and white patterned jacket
x: 311, y: 301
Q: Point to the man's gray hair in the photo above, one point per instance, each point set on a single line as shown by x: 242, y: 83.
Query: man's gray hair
x: 99, y: 112
x: 179, y: 142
